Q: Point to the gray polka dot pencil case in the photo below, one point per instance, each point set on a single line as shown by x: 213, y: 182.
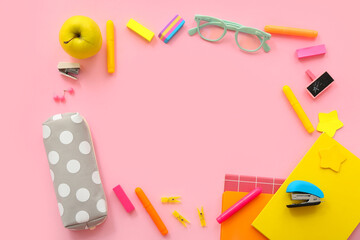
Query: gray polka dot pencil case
x: 74, y: 171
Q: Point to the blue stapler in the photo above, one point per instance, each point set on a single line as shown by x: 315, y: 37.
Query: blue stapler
x: 302, y: 190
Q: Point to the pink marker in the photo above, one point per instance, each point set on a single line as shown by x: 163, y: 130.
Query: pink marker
x: 125, y: 201
x: 240, y: 204
x: 311, y: 51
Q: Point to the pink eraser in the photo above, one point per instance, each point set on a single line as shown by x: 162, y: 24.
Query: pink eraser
x: 125, y: 201
x: 311, y: 51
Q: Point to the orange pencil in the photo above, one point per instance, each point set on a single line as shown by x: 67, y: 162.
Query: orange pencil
x: 151, y: 211
x: 291, y: 31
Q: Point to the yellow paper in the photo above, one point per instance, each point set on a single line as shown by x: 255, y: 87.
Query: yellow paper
x: 335, y: 218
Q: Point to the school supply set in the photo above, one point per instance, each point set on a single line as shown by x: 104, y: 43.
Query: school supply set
x: 253, y: 207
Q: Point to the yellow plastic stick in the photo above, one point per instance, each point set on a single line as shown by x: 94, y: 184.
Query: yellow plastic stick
x: 298, y: 109
x: 291, y: 31
x: 110, y: 46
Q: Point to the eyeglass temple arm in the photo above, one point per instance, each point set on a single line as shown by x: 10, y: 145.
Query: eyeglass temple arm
x: 192, y: 31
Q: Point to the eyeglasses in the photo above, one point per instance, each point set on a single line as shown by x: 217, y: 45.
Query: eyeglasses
x: 213, y: 29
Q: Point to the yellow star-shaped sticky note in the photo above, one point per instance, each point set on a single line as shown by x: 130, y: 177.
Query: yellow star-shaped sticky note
x: 329, y: 123
x: 331, y: 158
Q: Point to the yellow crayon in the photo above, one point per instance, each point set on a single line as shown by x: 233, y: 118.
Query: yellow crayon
x: 298, y: 109
x: 110, y: 46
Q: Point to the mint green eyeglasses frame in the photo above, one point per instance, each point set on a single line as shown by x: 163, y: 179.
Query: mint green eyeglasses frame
x: 227, y: 25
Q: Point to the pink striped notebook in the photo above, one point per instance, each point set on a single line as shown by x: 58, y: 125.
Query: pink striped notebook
x: 243, y: 183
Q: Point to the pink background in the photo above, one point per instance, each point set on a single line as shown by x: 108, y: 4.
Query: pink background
x: 174, y: 118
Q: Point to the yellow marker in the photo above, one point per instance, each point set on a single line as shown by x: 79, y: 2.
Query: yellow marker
x: 170, y: 200
x: 140, y: 29
x: 298, y: 109
x: 180, y: 218
x: 202, y: 217
x: 110, y: 46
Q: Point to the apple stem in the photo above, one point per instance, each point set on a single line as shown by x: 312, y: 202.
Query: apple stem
x: 66, y: 42
x: 76, y: 36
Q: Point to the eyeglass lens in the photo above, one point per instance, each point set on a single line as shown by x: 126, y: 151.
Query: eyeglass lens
x: 213, y: 30
x: 248, y: 41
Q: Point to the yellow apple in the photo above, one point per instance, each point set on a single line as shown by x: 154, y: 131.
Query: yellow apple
x: 80, y: 37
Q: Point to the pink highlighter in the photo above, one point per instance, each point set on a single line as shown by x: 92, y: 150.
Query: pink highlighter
x: 240, y: 204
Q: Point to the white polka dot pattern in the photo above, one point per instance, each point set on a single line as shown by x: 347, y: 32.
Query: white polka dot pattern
x: 82, y: 194
x: 76, y: 118
x: 46, y: 131
x: 73, y: 166
x: 96, y: 177
x: 61, y: 209
x: 57, y: 117
x: 52, y: 175
x: 53, y: 157
x: 63, y: 190
x: 66, y: 137
x: 82, y: 216
x: 85, y: 147
x: 101, y: 206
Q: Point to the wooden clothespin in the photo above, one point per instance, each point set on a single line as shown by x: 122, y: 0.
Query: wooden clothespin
x: 170, y: 200
x: 67, y: 69
x: 202, y: 217
x: 180, y: 218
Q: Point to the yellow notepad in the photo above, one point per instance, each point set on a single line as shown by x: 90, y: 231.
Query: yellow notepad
x: 335, y: 218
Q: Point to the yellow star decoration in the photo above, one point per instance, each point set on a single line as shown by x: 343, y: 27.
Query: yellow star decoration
x: 331, y: 158
x: 329, y: 123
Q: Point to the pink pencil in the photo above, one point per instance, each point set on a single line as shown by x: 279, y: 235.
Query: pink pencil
x: 240, y: 204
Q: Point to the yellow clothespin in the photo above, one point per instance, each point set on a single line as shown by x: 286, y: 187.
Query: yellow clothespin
x: 170, y: 199
x: 180, y: 218
x: 202, y: 217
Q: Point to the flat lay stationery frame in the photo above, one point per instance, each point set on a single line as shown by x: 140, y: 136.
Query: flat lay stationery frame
x: 173, y: 118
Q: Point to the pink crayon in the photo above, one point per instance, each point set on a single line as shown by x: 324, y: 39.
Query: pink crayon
x: 240, y: 204
x: 311, y: 51
x: 125, y: 201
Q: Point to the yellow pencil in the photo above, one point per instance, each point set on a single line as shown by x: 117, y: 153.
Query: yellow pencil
x: 298, y: 109
x: 110, y: 46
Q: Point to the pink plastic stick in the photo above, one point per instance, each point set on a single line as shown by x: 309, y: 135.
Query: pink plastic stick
x: 311, y: 51
x: 125, y: 201
x: 311, y: 75
x: 240, y: 204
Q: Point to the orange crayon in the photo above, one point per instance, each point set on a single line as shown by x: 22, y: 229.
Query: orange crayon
x: 291, y: 31
x: 151, y: 211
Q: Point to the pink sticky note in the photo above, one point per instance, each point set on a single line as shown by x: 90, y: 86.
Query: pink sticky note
x: 125, y: 201
x: 311, y: 51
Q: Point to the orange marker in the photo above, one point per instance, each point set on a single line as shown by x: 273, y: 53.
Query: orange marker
x: 151, y: 211
x: 291, y: 31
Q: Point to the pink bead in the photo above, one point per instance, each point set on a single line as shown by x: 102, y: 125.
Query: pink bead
x: 71, y: 91
x: 62, y: 99
x: 56, y: 98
